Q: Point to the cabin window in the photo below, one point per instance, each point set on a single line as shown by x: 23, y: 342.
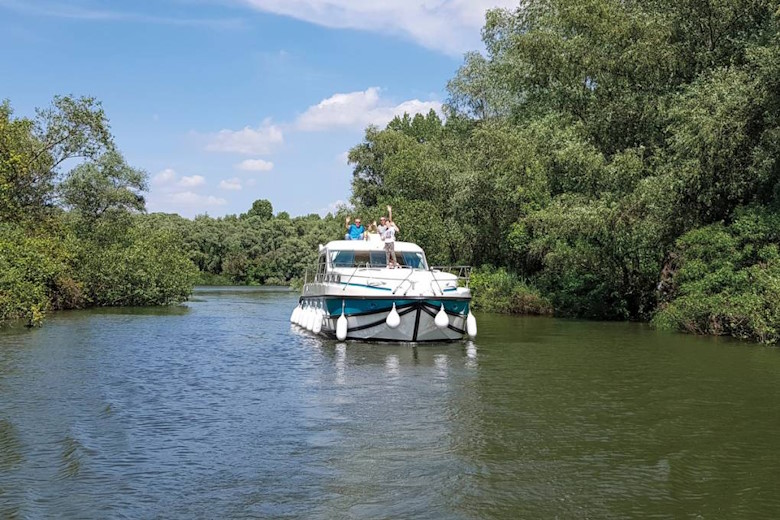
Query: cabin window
x: 412, y: 259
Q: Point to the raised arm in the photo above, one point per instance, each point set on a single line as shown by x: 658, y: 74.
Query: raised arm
x: 390, y: 218
x: 347, y: 222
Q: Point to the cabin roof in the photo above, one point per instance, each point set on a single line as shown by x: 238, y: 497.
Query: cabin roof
x: 370, y: 245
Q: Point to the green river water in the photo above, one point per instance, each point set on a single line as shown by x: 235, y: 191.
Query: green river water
x: 222, y: 409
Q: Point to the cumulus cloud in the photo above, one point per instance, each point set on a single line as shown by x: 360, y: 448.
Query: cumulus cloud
x: 233, y: 184
x: 166, y: 176
x: 357, y: 110
x: 169, y: 180
x: 191, y: 182
x: 255, y: 165
x: 248, y: 141
x: 449, y: 26
x: 190, y: 198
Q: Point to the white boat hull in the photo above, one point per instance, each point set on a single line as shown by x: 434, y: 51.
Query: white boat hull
x: 417, y: 319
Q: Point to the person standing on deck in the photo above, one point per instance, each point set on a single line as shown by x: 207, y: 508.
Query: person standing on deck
x: 387, y: 230
x: 355, y: 231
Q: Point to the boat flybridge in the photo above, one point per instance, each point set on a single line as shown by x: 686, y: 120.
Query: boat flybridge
x: 353, y: 294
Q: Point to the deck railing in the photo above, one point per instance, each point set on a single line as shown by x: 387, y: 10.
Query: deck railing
x: 463, y: 272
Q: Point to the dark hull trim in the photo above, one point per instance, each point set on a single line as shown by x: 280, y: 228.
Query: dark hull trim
x: 379, y: 322
x: 416, y: 324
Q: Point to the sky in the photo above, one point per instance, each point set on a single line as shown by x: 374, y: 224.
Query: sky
x: 224, y: 102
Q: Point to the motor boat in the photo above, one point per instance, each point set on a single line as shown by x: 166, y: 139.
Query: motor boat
x: 352, y: 293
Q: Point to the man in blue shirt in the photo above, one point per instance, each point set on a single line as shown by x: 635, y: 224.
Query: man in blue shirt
x: 355, y: 231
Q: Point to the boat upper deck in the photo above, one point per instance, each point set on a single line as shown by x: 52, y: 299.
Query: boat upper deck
x: 369, y: 245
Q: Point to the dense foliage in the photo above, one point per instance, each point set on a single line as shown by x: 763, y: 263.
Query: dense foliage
x: 75, y: 239
x: 607, y: 159
x: 78, y: 238
x: 727, y: 279
x: 596, y: 149
x: 497, y: 290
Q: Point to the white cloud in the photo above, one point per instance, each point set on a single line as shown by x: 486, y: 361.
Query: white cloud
x: 450, y: 26
x: 191, y: 182
x: 343, y: 158
x: 233, y: 184
x: 358, y: 109
x: 255, y: 165
x: 166, y: 176
x: 189, y: 198
x: 249, y: 141
x: 168, y: 180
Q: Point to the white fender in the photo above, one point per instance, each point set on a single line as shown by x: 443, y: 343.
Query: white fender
x: 393, y: 319
x: 441, y: 320
x: 341, y: 327
x: 310, y: 318
x: 301, y: 314
x: 294, y: 315
x: 471, y: 325
x: 318, y: 315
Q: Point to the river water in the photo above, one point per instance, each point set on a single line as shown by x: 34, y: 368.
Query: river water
x: 221, y: 409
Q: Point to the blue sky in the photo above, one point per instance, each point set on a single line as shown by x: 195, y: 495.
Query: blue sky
x: 227, y: 101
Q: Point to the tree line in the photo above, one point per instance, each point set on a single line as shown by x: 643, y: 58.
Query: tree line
x: 81, y: 237
x: 610, y: 159
x: 605, y: 159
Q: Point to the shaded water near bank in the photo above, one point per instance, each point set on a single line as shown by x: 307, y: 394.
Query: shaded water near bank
x: 221, y: 409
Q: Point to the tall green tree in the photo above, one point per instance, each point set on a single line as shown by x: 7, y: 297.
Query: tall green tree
x: 32, y: 152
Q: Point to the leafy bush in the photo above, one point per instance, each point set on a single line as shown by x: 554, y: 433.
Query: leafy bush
x: 727, y: 280
x: 497, y: 290
x: 151, y: 269
x: 34, y: 276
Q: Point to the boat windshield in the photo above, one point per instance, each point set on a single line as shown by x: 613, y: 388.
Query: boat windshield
x: 410, y: 259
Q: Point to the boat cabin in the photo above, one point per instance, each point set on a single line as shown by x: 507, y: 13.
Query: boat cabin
x: 348, y: 254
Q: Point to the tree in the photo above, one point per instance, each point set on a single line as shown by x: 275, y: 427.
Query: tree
x: 32, y: 151
x: 261, y: 209
x: 104, y: 187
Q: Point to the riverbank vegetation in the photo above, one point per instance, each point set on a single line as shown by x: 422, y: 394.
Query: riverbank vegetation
x: 602, y: 159
x: 73, y: 239
x: 619, y: 157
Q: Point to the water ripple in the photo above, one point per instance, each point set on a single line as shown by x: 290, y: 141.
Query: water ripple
x: 221, y: 409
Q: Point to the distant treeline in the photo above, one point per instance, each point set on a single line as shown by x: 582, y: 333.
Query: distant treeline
x: 254, y: 248
x: 605, y: 159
